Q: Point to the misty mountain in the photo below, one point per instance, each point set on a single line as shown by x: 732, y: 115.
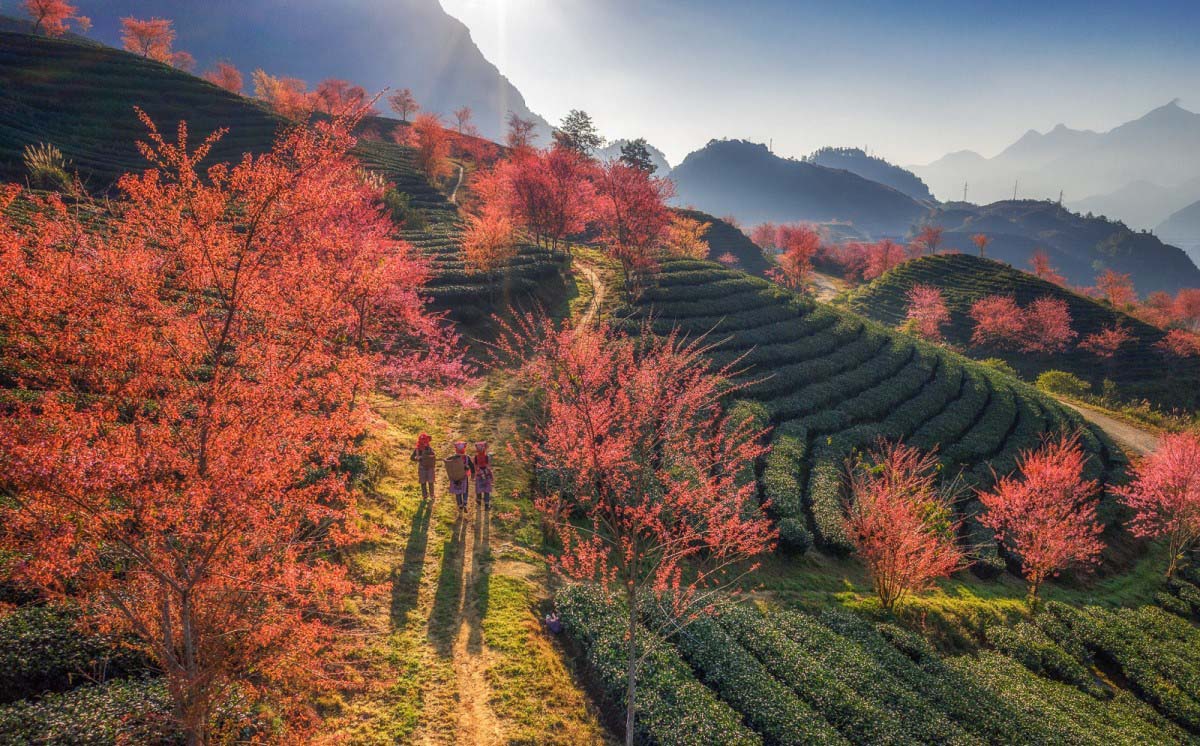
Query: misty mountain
x: 1093, y: 169
x: 612, y: 151
x: 398, y: 44
x: 746, y: 180
x: 1079, y: 247
x: 856, y: 161
x: 1182, y: 229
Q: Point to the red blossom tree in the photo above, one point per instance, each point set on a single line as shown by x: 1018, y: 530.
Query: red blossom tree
x: 998, y: 322
x: 182, y: 389
x: 728, y: 259
x: 1179, y: 343
x: 881, y: 257
x: 1040, y: 263
x: 798, y: 245
x: 1116, y: 288
x: 928, y: 240
x: 182, y: 60
x: 1047, y: 326
x: 1165, y: 495
x: 655, y: 504
x: 404, y: 103
x: 1107, y: 342
x: 927, y: 312
x: 902, y: 524
x: 432, y: 142
x: 338, y: 97
x: 226, y: 76
x: 1185, y: 310
x: 685, y: 238
x: 632, y: 216
x: 289, y: 97
x: 54, y: 16
x: 981, y: 242
x: 1046, y: 516
x: 150, y: 38
x: 488, y: 243
x: 765, y: 236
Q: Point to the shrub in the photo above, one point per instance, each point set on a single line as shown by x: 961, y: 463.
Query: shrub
x: 1000, y: 365
x: 47, y: 168
x: 1064, y: 384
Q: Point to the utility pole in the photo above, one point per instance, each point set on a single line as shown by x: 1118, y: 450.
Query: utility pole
x: 771, y: 145
x: 1015, y: 183
x: 1060, y: 193
x: 964, y: 191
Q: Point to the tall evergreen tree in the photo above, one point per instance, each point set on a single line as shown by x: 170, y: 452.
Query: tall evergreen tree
x: 636, y: 154
x: 578, y: 132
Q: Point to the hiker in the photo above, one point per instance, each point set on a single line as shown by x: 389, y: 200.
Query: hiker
x: 426, y: 459
x: 483, y: 476
x: 460, y: 468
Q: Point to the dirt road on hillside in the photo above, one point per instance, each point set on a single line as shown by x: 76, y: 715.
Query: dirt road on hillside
x: 598, y: 290
x: 1128, y: 436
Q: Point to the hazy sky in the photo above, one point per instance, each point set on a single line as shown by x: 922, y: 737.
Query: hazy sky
x: 910, y: 79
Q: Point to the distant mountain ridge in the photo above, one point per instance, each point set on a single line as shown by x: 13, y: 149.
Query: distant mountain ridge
x: 1161, y: 148
x: 1182, y: 228
x: 398, y: 44
x: 857, y: 161
x: 746, y: 180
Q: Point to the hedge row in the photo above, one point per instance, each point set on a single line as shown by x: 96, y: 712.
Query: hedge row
x: 769, y: 707
x: 125, y: 711
x: 1032, y: 648
x: 782, y: 486
x: 672, y: 707
x: 1164, y: 668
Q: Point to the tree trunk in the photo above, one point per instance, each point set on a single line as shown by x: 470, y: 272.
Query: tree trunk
x: 631, y: 670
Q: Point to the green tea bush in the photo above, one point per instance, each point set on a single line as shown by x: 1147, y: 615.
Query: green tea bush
x: 1032, y: 648
x: 128, y: 711
x: 769, y: 707
x: 41, y: 650
x: 673, y: 708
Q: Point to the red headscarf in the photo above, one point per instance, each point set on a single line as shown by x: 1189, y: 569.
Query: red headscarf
x: 460, y: 448
x: 423, y: 440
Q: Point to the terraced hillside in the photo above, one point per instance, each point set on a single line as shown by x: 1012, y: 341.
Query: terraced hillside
x: 723, y: 238
x: 831, y: 382
x: 81, y: 98
x: 1139, y: 369
x: 786, y: 677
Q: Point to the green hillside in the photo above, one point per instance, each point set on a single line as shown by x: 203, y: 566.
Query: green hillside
x: 722, y: 238
x: 1139, y: 369
x: 80, y: 97
x: 831, y: 382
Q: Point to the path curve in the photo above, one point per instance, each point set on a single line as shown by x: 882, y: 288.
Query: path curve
x: 1141, y: 442
x: 457, y: 184
x: 598, y: 290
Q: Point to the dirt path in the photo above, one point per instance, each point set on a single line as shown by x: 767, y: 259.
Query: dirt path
x: 457, y: 184
x: 598, y: 290
x: 1128, y: 436
x: 826, y: 287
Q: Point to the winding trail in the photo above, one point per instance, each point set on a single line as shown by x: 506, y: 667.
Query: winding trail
x: 454, y: 192
x: 1141, y: 442
x: 598, y: 292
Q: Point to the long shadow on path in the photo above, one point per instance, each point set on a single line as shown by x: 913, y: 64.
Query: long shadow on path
x: 444, y: 619
x: 406, y: 581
